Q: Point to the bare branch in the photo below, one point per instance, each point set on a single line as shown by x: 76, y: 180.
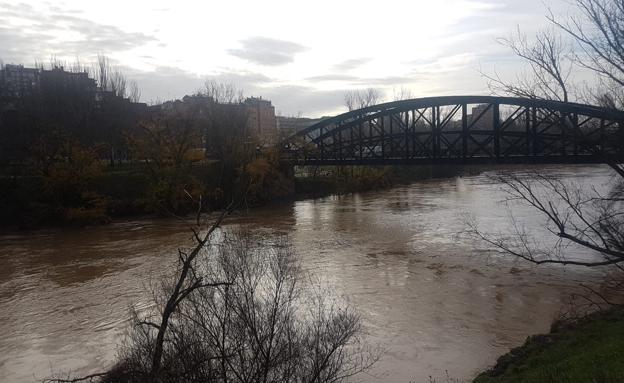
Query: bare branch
x: 576, y: 219
x: 549, y: 60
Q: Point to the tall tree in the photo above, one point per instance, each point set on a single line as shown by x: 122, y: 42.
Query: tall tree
x: 359, y: 99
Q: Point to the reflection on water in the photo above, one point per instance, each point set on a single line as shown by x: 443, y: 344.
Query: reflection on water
x: 436, y: 300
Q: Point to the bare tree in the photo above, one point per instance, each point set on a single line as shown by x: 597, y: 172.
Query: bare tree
x: 576, y: 217
x: 78, y: 67
x: 118, y: 83
x: 596, y: 32
x: 222, y: 93
x: 188, y: 281
x: 134, y: 93
x: 102, y: 70
x: 111, y: 78
x: 238, y: 311
x: 2, y: 83
x: 550, y: 62
x: 599, y: 31
x: 589, y: 220
x: 267, y: 326
x: 402, y: 94
x: 359, y: 99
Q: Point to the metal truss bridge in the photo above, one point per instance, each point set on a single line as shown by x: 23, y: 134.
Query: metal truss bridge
x: 462, y: 130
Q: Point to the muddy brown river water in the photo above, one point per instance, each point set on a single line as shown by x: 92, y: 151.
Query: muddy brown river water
x: 436, y: 300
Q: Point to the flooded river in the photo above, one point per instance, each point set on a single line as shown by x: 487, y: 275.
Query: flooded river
x: 434, y: 299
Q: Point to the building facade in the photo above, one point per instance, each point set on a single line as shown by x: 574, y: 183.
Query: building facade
x: 59, y: 78
x: 261, y: 119
x: 17, y: 81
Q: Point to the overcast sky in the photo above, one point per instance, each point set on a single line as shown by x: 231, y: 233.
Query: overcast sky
x: 302, y: 55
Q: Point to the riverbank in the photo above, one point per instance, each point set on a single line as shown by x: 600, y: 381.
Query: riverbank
x: 325, y: 181
x: 126, y: 192
x: 588, y: 350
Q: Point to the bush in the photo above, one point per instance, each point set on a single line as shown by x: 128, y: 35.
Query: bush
x: 267, y: 180
x: 263, y: 326
x: 93, y: 212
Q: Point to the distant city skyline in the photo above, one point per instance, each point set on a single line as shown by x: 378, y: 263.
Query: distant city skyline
x: 303, y: 56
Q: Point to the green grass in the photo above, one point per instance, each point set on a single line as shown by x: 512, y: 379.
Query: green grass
x: 591, y: 351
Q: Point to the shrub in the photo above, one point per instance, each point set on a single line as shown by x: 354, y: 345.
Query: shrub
x: 264, y: 325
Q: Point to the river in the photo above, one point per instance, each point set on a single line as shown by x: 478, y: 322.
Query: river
x: 437, y: 301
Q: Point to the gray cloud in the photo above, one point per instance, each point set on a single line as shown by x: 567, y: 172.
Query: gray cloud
x: 363, y: 81
x: 333, y: 77
x: 19, y: 7
x: 291, y: 100
x: 39, y: 39
x: 267, y: 51
x: 242, y: 79
x: 164, y: 83
x: 389, y: 80
x: 287, y: 99
x: 64, y: 10
x: 351, y: 64
x: 167, y: 83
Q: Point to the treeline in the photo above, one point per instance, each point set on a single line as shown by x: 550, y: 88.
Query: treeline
x: 77, y: 149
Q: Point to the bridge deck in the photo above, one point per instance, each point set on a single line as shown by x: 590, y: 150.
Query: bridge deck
x: 585, y: 159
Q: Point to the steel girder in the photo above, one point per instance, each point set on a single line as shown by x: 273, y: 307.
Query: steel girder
x: 463, y: 129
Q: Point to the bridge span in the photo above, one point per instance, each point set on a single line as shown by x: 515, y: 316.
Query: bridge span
x: 463, y: 130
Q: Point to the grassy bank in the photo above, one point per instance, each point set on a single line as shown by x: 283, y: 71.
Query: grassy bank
x: 588, y: 351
